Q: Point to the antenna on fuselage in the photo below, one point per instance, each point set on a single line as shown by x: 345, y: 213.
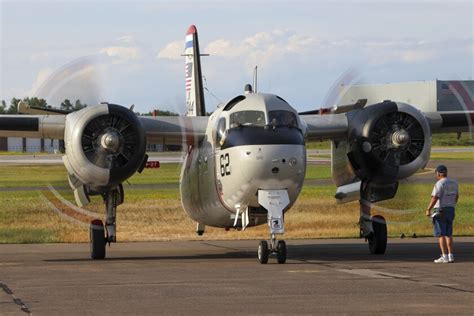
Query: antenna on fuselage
x: 255, y: 79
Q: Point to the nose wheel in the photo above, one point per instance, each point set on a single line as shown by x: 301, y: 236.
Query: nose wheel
x: 277, y: 249
x: 274, y: 201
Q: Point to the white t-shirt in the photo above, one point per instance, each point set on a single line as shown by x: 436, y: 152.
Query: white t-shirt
x: 446, y: 190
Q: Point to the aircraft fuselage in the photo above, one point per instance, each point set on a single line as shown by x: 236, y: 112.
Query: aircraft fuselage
x: 223, y: 176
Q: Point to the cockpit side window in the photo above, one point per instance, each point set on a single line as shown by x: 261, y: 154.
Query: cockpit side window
x: 280, y: 117
x: 255, y: 118
x: 220, y: 132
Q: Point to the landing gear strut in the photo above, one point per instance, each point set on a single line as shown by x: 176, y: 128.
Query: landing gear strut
x: 274, y: 202
x: 100, y: 235
x: 372, y: 228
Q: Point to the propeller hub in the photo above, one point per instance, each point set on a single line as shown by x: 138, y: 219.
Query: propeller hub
x: 110, y: 141
x: 400, y: 138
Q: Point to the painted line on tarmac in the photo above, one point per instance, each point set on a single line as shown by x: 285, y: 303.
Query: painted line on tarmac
x: 386, y: 275
x: 15, y: 299
x: 374, y: 274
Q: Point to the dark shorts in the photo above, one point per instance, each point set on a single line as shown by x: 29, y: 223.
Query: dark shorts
x: 443, y: 222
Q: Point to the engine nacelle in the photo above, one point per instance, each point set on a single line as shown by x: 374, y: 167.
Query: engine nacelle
x: 388, y: 141
x: 105, y: 145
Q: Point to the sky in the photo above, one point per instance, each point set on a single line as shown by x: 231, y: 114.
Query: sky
x: 129, y: 52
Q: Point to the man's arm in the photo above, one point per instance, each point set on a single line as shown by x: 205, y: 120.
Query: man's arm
x: 433, y: 201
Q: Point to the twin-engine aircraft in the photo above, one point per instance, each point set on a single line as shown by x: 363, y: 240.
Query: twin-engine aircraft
x: 245, y: 164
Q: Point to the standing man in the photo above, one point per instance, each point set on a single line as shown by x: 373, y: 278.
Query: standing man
x: 444, y: 197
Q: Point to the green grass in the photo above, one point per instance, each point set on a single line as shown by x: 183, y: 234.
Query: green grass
x: 318, y: 145
x: 156, y: 214
x: 27, y: 235
x: 439, y: 140
x: 452, y: 156
x: 16, y: 153
x: 450, y: 139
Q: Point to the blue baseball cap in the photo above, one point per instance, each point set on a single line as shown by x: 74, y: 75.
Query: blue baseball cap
x: 441, y: 169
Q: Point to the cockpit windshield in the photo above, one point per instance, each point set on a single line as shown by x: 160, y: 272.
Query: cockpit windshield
x: 254, y: 118
x: 286, y: 118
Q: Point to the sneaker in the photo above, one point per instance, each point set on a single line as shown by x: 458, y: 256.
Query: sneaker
x: 441, y: 259
x: 450, y: 258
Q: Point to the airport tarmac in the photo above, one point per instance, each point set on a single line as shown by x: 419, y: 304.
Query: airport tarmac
x: 224, y: 277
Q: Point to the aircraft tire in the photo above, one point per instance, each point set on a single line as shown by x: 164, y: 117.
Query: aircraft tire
x: 97, y: 239
x: 263, y: 252
x: 281, y: 252
x: 378, y: 242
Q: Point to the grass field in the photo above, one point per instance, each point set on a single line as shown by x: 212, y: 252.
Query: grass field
x: 150, y: 214
x: 439, y: 140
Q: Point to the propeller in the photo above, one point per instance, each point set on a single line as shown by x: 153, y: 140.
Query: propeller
x: 397, y: 138
x: 79, y: 79
x: 109, y: 141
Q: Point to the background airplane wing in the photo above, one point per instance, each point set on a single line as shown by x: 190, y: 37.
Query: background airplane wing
x: 174, y: 129
x: 32, y: 126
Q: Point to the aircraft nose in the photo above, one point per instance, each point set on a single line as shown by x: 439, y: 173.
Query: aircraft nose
x: 273, y: 167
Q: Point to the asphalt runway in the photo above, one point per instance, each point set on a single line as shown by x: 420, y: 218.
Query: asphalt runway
x: 224, y: 277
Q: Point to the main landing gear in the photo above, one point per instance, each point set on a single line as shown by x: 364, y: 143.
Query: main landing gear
x: 274, y: 201
x: 100, y: 235
x: 372, y: 228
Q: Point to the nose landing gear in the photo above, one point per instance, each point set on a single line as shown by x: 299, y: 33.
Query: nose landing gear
x: 274, y: 201
x: 278, y: 249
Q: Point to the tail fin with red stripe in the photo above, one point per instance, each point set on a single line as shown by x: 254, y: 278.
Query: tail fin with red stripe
x: 195, y: 105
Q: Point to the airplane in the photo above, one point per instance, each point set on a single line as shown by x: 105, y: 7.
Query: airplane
x: 245, y: 164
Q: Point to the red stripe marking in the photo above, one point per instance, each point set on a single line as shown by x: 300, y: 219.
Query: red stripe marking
x: 191, y: 30
x: 467, y: 102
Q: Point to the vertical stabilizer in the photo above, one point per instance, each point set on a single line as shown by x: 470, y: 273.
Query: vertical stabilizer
x: 194, y: 89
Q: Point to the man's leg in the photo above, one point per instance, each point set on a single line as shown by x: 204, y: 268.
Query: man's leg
x: 442, y: 245
x: 449, y: 243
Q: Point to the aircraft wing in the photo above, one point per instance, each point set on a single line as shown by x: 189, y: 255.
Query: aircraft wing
x: 32, y: 126
x: 160, y: 129
x: 337, y: 126
x: 380, y: 143
x: 174, y: 129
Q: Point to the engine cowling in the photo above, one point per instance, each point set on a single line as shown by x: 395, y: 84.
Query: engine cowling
x: 105, y: 145
x: 388, y: 141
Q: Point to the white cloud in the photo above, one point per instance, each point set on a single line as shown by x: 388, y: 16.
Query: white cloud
x: 172, y: 51
x: 121, y: 53
x: 263, y: 47
x: 38, y: 56
x: 414, y: 56
x: 126, y: 39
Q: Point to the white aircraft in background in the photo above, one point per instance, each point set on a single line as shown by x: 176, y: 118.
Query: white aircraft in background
x: 245, y: 164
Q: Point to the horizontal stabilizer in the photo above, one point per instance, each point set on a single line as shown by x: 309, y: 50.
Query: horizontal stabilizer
x: 338, y: 108
x: 25, y: 108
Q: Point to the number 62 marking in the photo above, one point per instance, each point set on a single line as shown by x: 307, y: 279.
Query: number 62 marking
x: 225, y: 165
